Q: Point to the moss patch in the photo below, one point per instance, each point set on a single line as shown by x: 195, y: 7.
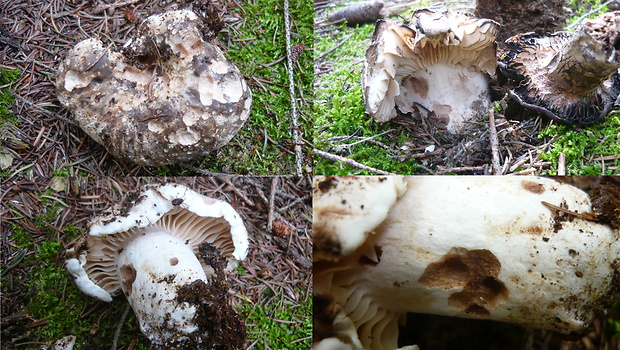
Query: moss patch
x: 7, y: 76
x: 589, y: 150
x: 284, y: 325
x: 257, y: 46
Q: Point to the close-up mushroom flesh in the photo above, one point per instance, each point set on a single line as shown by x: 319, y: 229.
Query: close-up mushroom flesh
x: 529, y: 251
x: 569, y: 77
x: 148, y: 245
x: 440, y: 66
x: 169, y: 96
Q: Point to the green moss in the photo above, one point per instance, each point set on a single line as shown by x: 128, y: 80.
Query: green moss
x: 264, y: 144
x: 581, y: 7
x: 287, y: 326
x: 7, y: 76
x: 61, y: 172
x: 71, y: 233
x: 21, y: 237
x: 340, y: 111
x: 583, y: 144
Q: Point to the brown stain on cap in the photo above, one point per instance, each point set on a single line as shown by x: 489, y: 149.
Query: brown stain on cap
x: 474, y: 270
x: 533, y: 187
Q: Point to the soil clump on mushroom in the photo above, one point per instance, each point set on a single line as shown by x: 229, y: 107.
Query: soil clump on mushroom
x: 606, y: 203
x: 221, y: 326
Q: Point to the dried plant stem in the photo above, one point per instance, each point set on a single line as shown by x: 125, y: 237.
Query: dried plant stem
x: 117, y: 334
x: 291, y: 84
x: 561, y: 164
x: 350, y: 162
x: 495, y: 161
x: 272, y: 198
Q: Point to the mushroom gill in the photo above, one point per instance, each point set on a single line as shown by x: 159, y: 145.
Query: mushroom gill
x: 194, y: 229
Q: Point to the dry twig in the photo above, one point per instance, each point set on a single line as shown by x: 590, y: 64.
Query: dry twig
x: 350, y: 162
x: 561, y: 164
x: 495, y: 161
x: 294, y: 117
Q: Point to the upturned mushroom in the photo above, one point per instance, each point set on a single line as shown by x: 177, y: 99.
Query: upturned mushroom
x: 440, y: 63
x: 569, y: 77
x: 148, y: 246
x: 169, y: 96
x: 523, y: 250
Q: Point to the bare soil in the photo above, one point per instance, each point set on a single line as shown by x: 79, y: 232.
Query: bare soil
x: 515, y: 17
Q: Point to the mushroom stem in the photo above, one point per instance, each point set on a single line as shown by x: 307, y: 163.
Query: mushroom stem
x: 590, y: 57
x: 469, y: 247
x: 154, y: 257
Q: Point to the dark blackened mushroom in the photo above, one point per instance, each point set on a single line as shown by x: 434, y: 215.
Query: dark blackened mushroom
x: 569, y: 77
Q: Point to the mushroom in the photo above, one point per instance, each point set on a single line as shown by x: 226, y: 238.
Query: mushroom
x: 522, y: 250
x: 147, y: 246
x: 569, y: 77
x: 441, y: 63
x: 170, y: 96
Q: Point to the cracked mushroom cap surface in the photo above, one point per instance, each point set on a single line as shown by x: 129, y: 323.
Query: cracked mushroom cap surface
x: 409, y: 68
x: 193, y: 221
x: 569, y: 77
x: 169, y: 96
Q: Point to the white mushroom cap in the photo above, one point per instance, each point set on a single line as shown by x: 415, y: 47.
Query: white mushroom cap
x: 442, y: 51
x: 348, y: 209
x: 476, y: 247
x: 147, y: 245
x: 170, y: 96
